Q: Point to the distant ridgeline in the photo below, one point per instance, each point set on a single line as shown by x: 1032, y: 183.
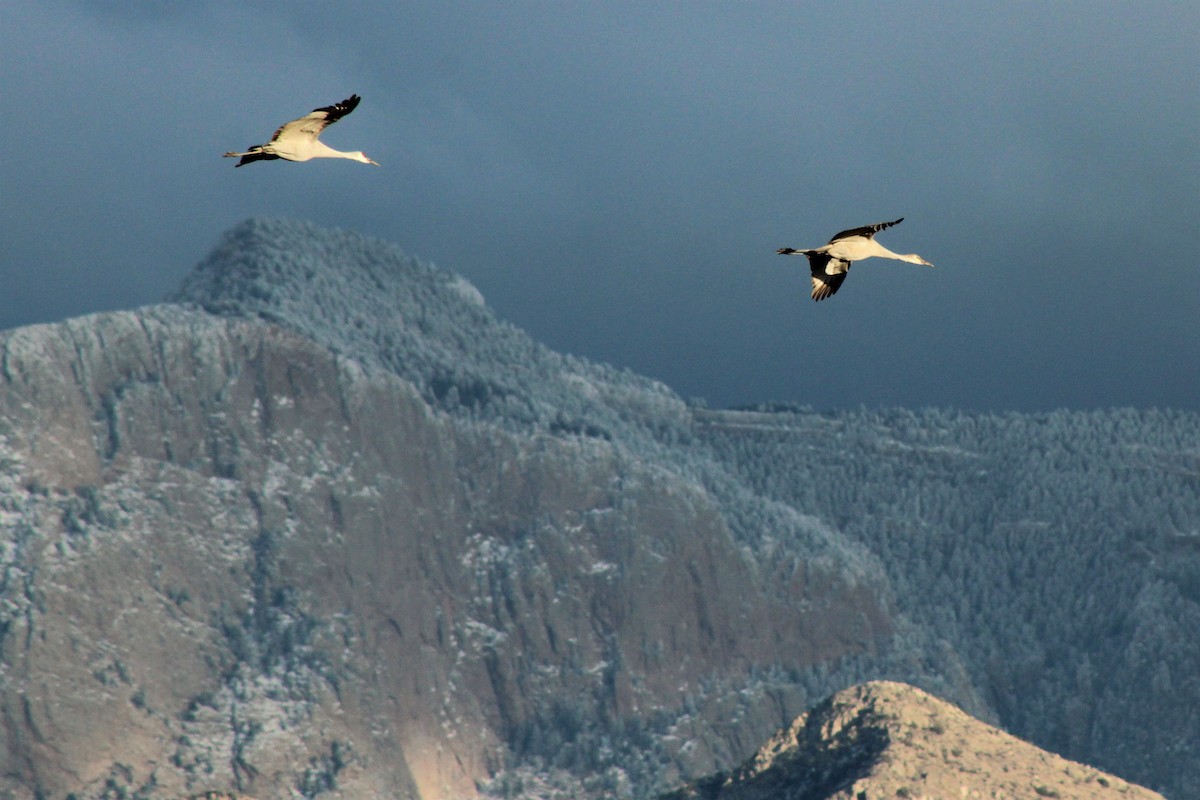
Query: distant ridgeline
x: 323, y: 526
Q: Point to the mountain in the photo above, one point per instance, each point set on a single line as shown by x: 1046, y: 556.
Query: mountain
x: 322, y: 525
x: 1057, y: 553
x: 340, y: 532
x: 888, y: 740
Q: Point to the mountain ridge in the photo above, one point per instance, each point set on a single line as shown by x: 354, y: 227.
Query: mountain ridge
x: 221, y: 487
x: 323, y: 525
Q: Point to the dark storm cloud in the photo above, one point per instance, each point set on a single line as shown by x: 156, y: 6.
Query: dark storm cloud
x: 616, y: 177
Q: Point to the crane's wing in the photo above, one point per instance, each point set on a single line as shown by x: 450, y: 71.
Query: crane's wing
x: 827, y: 274
x: 866, y: 230
x: 312, y: 124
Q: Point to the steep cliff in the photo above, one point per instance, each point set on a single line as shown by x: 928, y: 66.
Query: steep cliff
x: 324, y: 526
x: 890, y: 740
x: 241, y: 557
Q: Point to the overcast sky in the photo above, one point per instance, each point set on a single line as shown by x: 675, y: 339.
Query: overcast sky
x: 616, y: 177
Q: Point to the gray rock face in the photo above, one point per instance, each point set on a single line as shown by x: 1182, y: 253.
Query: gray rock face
x: 235, y: 559
x: 326, y: 527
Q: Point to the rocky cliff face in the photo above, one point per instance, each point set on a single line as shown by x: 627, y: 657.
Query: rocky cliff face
x: 889, y: 740
x: 237, y: 559
x: 323, y: 526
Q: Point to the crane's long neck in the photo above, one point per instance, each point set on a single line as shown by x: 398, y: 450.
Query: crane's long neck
x: 911, y: 258
x: 883, y: 252
x: 322, y: 150
x: 353, y: 155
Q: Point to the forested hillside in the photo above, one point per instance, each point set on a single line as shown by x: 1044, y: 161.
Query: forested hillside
x: 1058, y: 554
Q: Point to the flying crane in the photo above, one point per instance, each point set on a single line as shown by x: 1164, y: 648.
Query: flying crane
x: 831, y: 262
x: 299, y: 140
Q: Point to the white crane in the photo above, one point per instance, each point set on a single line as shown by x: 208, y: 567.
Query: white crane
x: 298, y: 140
x: 830, y: 263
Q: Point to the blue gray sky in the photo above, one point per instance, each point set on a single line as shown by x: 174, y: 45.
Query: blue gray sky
x: 616, y: 177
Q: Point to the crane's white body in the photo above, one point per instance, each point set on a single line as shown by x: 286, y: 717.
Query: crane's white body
x: 830, y: 263
x: 857, y: 248
x: 299, y: 140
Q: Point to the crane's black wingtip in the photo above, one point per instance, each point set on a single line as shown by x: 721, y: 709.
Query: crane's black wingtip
x: 339, y: 110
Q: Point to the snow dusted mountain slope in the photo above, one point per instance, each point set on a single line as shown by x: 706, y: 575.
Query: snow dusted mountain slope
x: 364, y: 298
x: 324, y: 526
x: 1053, y: 553
x: 1058, y: 553
x: 357, y: 538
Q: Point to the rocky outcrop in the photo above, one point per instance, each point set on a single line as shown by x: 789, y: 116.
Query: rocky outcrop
x: 324, y: 526
x: 889, y: 740
x: 236, y: 560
